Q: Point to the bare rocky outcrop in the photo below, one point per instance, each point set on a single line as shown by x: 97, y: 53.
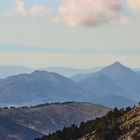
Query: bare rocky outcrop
x: 129, y: 126
x: 90, y: 136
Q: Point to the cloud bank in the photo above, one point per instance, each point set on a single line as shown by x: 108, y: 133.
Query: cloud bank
x: 35, y: 10
x: 89, y: 12
x: 20, y: 8
x: 79, y: 12
x: 134, y: 4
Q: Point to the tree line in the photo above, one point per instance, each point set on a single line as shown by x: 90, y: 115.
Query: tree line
x: 104, y: 128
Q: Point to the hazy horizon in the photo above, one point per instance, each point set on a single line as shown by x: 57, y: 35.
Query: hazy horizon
x: 137, y: 68
x: 51, y: 33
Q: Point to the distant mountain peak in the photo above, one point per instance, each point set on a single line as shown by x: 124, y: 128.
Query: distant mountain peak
x: 39, y: 72
x: 117, y: 63
x: 116, y: 67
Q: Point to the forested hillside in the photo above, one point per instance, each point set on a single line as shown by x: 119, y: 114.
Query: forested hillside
x: 115, y: 125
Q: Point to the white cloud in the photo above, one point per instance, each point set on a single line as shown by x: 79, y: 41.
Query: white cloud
x: 6, y: 15
x: 79, y: 12
x: 122, y: 21
x: 88, y: 12
x: 37, y: 10
x: 34, y: 10
x: 20, y: 8
x: 134, y: 4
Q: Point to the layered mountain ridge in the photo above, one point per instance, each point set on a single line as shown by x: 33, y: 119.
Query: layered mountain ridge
x: 116, y: 81
x: 37, y: 87
x: 113, y: 82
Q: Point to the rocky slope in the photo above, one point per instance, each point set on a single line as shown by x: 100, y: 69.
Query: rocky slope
x: 129, y: 125
x: 26, y: 123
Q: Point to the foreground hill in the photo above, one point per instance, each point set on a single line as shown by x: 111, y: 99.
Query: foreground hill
x: 26, y: 123
x: 115, y: 125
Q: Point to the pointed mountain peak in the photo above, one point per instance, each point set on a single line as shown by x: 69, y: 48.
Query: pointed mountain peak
x: 117, y: 70
x: 116, y: 65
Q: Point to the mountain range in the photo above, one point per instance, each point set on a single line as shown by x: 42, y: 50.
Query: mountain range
x: 26, y: 123
x: 113, y: 82
x: 68, y: 72
x: 37, y: 87
x: 6, y: 71
x: 74, y: 73
x: 114, y: 85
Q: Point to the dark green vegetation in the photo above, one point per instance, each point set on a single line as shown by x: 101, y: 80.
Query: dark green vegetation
x: 104, y: 128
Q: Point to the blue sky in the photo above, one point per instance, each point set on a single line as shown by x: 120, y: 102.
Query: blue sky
x: 79, y: 33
